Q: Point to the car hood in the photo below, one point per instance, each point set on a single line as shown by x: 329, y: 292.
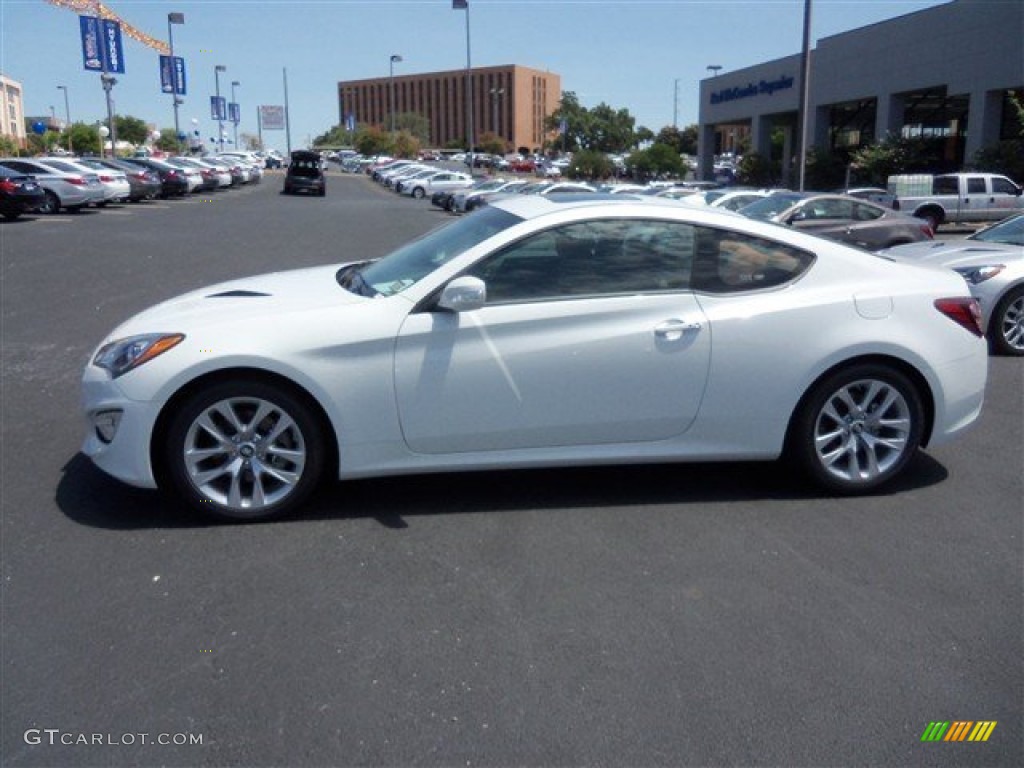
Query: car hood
x: 260, y: 296
x: 954, y: 253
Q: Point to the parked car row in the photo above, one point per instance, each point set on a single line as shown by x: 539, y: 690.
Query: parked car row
x: 72, y: 183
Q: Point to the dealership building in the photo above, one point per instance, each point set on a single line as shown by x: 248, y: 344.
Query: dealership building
x: 944, y: 72
x: 511, y: 102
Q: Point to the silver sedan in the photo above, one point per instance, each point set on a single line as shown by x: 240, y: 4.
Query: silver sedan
x: 992, y: 263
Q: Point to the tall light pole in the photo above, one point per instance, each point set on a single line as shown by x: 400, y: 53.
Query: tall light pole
x: 174, y: 18
x: 714, y: 69
x: 458, y: 5
x: 220, y: 115
x: 234, y: 117
x: 67, y: 115
x: 496, y: 94
x: 675, y: 103
x: 805, y: 92
x: 391, y: 83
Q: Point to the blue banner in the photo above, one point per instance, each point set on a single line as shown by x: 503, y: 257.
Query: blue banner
x: 179, y: 76
x: 172, y: 75
x: 166, y: 74
x: 102, y: 50
x: 234, y: 113
x: 218, y: 108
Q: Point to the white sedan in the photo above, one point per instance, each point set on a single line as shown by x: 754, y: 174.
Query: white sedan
x: 541, y: 331
x: 439, y: 181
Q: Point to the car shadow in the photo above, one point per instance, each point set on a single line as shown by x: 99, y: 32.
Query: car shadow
x: 91, y: 498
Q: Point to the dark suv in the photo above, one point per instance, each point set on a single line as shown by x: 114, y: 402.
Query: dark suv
x: 305, y: 174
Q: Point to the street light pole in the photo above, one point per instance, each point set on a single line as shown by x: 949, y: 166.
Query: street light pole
x: 464, y: 5
x: 234, y: 118
x: 391, y: 82
x: 805, y: 92
x: 220, y: 115
x: 174, y: 18
x: 67, y: 115
x: 496, y: 94
x: 675, y: 103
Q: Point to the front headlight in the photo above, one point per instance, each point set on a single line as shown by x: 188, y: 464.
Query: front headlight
x: 975, y: 275
x: 123, y: 355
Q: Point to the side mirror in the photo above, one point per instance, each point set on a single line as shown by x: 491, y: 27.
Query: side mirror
x: 463, y: 294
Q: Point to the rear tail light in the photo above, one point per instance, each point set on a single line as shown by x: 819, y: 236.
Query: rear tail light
x: 78, y: 181
x: 8, y: 186
x: 928, y: 231
x: 964, y: 312
x: 106, y: 178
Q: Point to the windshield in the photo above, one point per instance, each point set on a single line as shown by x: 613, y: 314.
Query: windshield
x: 1010, y: 231
x: 769, y: 206
x: 414, y: 261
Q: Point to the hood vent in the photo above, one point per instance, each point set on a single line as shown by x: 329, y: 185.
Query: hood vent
x: 240, y: 294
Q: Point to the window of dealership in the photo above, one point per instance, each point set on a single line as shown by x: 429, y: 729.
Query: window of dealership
x: 946, y: 72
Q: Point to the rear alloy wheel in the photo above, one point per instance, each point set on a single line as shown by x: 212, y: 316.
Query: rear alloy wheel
x: 1006, y: 329
x: 858, y: 428
x: 51, y: 204
x: 245, y: 451
x: 418, y: 192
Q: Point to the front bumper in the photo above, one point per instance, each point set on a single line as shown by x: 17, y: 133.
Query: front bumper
x: 126, y: 456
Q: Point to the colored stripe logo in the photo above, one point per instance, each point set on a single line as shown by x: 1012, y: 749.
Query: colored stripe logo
x: 958, y: 730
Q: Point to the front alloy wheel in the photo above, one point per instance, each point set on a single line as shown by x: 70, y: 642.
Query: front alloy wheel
x: 246, y: 451
x: 858, y: 428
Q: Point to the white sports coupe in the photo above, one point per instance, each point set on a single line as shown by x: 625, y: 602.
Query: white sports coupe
x: 541, y: 331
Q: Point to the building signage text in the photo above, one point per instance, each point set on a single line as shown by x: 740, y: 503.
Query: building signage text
x: 765, y: 87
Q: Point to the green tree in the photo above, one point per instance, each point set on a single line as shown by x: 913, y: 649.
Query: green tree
x: 659, y: 160
x: 8, y: 146
x: 577, y: 123
x: 756, y: 170
x: 85, y: 138
x: 404, y: 144
x: 131, y: 129
x: 491, y: 143
x: 372, y: 141
x: 42, y: 143
x: 643, y: 135
x: 168, y: 141
x: 415, y: 124
x: 824, y: 169
x: 589, y: 164
x: 683, y: 141
x: 1006, y: 157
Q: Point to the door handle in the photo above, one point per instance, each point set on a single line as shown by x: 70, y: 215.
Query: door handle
x: 674, y: 329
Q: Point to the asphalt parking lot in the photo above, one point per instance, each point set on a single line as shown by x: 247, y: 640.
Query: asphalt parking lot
x: 708, y: 615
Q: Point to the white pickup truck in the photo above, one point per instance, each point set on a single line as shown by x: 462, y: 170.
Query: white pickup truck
x: 956, y: 197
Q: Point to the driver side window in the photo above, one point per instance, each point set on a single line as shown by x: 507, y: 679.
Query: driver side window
x: 594, y: 258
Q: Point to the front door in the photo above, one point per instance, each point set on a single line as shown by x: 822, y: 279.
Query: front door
x: 590, y: 336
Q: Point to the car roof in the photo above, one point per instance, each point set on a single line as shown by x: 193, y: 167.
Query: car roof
x: 533, y: 206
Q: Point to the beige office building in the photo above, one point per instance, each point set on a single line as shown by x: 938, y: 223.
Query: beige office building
x: 511, y: 102
x: 12, y: 124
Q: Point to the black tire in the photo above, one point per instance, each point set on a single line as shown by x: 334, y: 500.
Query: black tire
x: 51, y: 204
x: 266, y: 469
x: 933, y: 216
x: 857, y: 428
x: 1006, y: 326
x: 11, y: 215
x: 418, y: 193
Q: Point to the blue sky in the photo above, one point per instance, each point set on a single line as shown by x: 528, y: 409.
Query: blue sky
x: 626, y: 53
